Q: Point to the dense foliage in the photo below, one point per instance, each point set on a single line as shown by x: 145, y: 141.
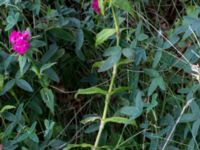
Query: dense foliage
x: 99, y: 74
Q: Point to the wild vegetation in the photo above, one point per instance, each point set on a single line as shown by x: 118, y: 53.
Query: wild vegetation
x: 99, y: 74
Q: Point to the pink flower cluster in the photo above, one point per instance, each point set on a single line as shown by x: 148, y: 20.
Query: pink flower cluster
x: 20, y: 41
x: 95, y: 6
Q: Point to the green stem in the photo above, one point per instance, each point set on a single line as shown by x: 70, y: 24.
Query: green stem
x: 107, y: 101
x: 112, y: 82
x: 116, y: 26
x: 3, y: 122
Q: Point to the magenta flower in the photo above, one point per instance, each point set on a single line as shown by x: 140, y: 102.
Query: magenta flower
x: 95, y: 6
x: 21, y: 46
x: 20, y: 41
x: 14, y: 36
x: 26, y: 35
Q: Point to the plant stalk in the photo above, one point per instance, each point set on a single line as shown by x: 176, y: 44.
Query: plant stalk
x: 107, y: 101
x: 112, y: 82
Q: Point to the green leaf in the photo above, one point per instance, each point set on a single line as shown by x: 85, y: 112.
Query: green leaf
x: 6, y: 107
x: 21, y: 137
x: 92, y: 128
x: 120, y: 89
x: 18, y: 114
x: 120, y: 120
x: 114, y: 54
x: 37, y: 43
x: 12, y: 20
x: 52, y: 75
x: 8, y: 61
x: 124, y: 62
x: 109, y: 63
x: 8, y: 86
x: 46, y: 66
x: 61, y: 34
x: 140, y: 55
x: 49, y: 125
x: 33, y: 136
x: 195, y: 128
x: 98, y: 64
x: 104, y: 35
x: 153, y: 86
x: 115, y: 50
x: 152, y: 73
x: 89, y: 91
x: 195, y: 108
x: 131, y: 111
x: 161, y: 84
x: 189, y: 117
x: 157, y: 58
x: 90, y: 119
x: 83, y: 145
x: 79, y: 44
x: 9, y: 129
x: 142, y: 37
x: 35, y: 70
x: 24, y: 85
x: 128, y: 53
x: 28, y: 134
x: 53, y: 48
x: 138, y: 100
x: 36, y: 7
x: 22, y: 62
x: 138, y: 30
x: 173, y: 40
x: 48, y: 98
x: 153, y: 103
x: 123, y: 4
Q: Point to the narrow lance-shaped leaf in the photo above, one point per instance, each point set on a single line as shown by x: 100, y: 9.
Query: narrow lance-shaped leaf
x: 120, y: 120
x: 90, y: 119
x: 104, y: 35
x: 48, y: 98
x: 120, y: 89
x: 157, y: 58
x: 6, y: 107
x: 24, y: 85
x: 153, y: 86
x: 8, y: 86
x: 83, y: 145
x: 46, y: 66
x: 22, y: 62
x: 79, y: 44
x: 89, y: 91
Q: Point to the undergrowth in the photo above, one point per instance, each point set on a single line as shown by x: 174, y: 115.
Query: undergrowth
x: 100, y: 74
